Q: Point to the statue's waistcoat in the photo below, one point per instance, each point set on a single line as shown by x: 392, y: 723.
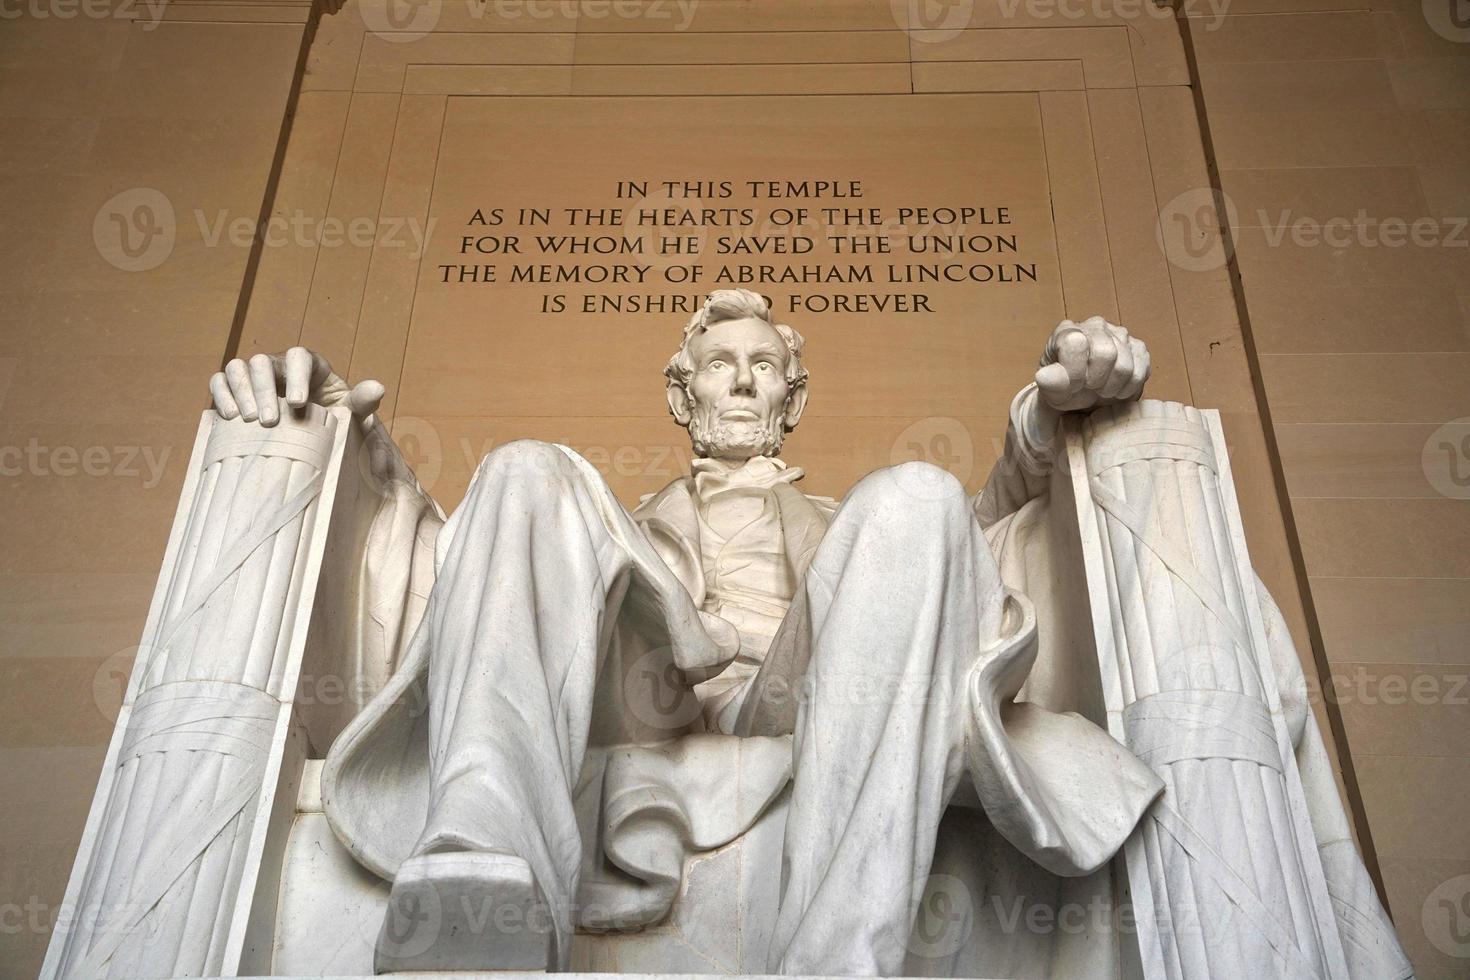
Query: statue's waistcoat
x: 740, y: 540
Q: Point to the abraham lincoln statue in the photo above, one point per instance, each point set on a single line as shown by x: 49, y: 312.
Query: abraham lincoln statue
x: 681, y: 664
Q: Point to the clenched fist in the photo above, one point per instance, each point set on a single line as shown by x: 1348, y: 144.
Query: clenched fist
x: 1089, y: 364
x: 250, y: 389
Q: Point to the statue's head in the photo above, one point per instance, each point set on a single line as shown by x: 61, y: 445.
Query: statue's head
x: 737, y: 383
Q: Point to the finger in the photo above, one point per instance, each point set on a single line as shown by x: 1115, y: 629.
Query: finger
x: 1054, y: 383
x: 320, y: 369
x: 1100, y: 360
x: 1049, y: 353
x: 1122, y: 373
x: 366, y: 397
x: 1072, y: 348
x: 298, y: 371
x: 1142, y: 367
x: 1134, y: 384
x: 224, y: 402
x: 263, y: 384
x: 379, y: 461
x: 238, y: 375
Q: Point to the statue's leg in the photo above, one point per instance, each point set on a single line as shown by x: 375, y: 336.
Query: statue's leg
x: 902, y: 595
x: 516, y: 628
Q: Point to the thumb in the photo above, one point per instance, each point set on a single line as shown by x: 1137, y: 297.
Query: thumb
x: 1054, y: 381
x: 365, y: 398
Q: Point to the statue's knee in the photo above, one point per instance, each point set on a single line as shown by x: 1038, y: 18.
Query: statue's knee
x: 524, y: 458
x: 912, y: 491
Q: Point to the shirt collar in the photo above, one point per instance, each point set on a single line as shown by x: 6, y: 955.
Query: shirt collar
x: 712, y: 476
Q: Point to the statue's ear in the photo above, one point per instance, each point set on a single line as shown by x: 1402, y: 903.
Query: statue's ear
x: 680, y: 405
x: 795, y: 405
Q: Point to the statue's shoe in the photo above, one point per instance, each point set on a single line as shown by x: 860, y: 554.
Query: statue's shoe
x: 465, y: 910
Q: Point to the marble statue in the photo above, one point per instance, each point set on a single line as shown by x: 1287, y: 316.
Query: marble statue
x: 740, y: 582
x: 566, y: 703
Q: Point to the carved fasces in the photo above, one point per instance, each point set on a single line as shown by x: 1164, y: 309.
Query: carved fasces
x: 199, y: 775
x: 1225, y: 873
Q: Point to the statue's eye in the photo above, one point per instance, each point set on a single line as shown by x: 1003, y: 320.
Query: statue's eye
x: 763, y: 366
x: 716, y: 365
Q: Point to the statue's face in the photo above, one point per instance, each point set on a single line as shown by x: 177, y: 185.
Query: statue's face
x: 739, y: 390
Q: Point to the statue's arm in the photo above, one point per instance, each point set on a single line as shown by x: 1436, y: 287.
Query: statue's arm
x: 400, y: 522
x: 1084, y: 366
x: 1022, y: 471
x: 399, y: 560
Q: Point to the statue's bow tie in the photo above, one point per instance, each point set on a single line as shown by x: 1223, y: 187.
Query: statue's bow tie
x: 711, y: 476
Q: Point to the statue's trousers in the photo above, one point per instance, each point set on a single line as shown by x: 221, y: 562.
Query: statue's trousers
x: 894, y: 669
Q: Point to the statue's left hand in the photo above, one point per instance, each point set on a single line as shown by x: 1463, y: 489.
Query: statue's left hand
x: 250, y: 389
x: 1089, y: 364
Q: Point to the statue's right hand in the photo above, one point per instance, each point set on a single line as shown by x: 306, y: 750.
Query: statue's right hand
x: 250, y: 389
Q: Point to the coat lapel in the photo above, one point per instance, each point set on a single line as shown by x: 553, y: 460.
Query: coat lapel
x: 671, y: 521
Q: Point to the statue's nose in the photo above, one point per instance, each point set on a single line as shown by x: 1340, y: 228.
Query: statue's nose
x: 744, y: 382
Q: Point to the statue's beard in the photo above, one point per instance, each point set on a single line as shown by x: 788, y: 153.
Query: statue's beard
x: 723, y: 439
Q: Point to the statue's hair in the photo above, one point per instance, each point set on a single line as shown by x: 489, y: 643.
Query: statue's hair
x: 734, y: 304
